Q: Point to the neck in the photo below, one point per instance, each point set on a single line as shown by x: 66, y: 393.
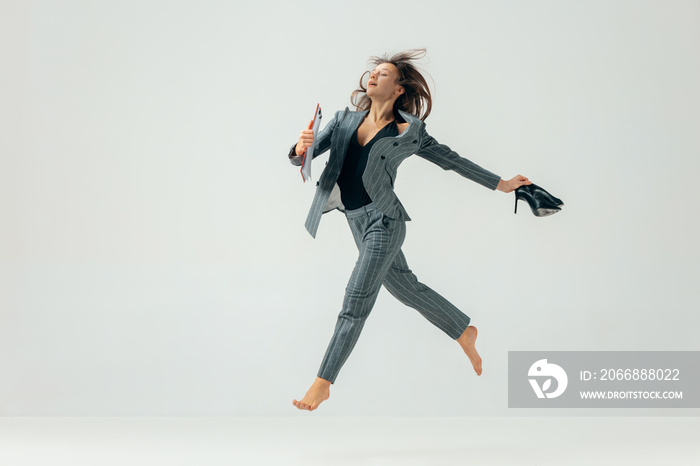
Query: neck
x: 381, y: 111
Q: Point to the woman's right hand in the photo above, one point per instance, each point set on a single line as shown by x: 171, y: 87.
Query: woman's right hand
x: 306, y: 139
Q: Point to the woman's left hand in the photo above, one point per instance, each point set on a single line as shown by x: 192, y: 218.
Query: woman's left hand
x: 513, y: 183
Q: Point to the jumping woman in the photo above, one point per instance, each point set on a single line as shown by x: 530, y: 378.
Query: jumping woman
x: 366, y: 148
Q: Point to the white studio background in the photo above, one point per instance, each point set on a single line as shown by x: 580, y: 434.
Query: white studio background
x: 154, y: 260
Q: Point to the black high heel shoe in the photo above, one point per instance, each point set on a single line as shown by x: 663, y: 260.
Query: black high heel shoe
x: 541, y: 202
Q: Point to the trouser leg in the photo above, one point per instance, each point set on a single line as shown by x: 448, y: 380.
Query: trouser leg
x: 403, y: 284
x: 379, y: 239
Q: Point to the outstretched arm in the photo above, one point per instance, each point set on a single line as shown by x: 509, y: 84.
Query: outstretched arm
x: 306, y: 139
x: 447, y: 159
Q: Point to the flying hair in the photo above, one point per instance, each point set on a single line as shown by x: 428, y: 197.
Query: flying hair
x: 416, y: 99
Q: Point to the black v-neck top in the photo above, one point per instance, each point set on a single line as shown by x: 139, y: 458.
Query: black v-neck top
x: 352, y: 191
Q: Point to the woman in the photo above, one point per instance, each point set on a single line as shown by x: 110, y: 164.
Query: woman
x: 367, y: 147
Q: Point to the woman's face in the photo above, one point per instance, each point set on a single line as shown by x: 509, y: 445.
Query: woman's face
x: 382, y: 82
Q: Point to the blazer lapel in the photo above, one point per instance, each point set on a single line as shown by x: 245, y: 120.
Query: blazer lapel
x: 413, y: 123
x: 347, y: 129
x: 350, y: 125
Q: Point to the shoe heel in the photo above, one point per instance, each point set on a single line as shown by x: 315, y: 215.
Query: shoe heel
x: 516, y: 204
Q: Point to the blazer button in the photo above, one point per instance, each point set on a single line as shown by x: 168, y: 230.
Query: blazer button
x: 415, y: 141
x: 383, y: 157
x: 396, y: 144
x: 317, y: 183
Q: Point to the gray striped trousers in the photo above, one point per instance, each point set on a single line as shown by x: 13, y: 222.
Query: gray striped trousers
x: 381, y: 262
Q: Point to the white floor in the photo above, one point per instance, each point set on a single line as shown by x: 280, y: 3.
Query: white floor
x: 311, y: 440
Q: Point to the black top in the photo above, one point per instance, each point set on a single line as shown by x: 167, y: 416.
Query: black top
x: 352, y: 191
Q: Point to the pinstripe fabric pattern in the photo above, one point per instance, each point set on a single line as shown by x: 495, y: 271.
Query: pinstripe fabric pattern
x: 384, y: 159
x: 381, y: 262
x: 404, y: 286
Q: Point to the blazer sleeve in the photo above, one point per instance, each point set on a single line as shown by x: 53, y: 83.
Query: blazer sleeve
x: 447, y: 159
x: 323, y: 142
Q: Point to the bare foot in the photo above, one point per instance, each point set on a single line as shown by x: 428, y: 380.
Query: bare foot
x: 467, y: 341
x: 317, y: 394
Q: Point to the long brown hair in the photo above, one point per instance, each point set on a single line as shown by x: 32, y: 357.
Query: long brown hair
x: 416, y: 99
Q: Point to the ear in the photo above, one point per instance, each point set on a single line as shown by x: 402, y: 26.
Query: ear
x: 399, y: 90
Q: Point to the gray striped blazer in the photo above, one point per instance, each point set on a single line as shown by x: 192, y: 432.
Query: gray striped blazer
x: 384, y: 159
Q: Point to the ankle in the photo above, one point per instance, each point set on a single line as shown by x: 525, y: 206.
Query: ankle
x: 322, y: 382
